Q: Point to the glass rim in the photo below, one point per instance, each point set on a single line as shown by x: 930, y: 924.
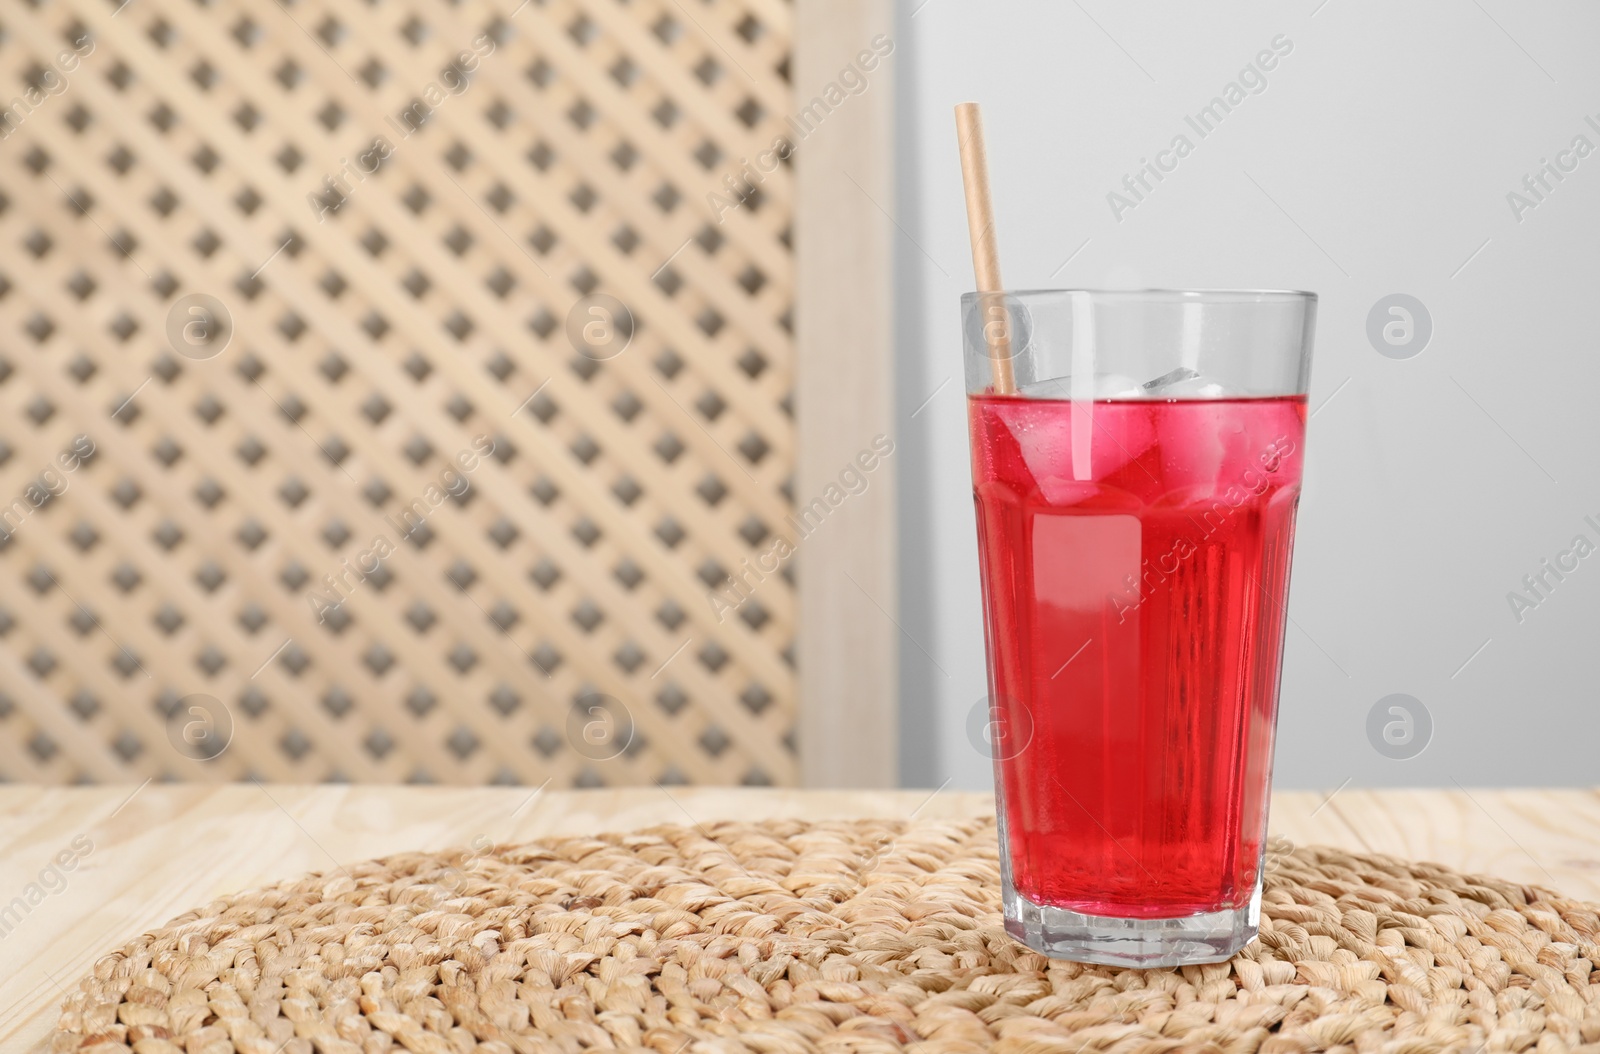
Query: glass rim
x: 1161, y: 295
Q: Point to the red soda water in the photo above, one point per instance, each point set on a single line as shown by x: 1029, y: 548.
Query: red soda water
x: 1135, y: 564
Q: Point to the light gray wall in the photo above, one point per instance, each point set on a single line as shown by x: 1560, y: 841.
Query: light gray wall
x: 1377, y: 160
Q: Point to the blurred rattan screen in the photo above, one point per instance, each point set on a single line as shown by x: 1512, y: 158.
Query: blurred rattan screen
x: 422, y: 516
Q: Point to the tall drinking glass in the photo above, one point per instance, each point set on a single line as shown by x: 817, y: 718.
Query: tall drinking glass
x: 1136, y: 466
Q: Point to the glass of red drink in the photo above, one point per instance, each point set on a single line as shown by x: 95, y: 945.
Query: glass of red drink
x: 1136, y: 463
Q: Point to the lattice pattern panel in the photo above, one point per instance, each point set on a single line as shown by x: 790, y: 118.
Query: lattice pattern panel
x: 324, y: 450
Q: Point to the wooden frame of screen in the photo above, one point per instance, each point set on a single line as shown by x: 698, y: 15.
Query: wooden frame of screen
x: 848, y: 634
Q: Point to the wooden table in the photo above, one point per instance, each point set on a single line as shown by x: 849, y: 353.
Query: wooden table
x: 156, y: 851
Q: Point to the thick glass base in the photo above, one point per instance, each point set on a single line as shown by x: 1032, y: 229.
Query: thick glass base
x: 1140, y: 943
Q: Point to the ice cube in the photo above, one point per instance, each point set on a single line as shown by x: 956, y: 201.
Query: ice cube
x: 1101, y: 386
x: 1182, y: 373
x: 1207, y: 444
x: 1069, y: 446
x: 1185, y: 383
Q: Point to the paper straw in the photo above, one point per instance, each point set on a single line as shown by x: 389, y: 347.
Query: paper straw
x: 985, y: 250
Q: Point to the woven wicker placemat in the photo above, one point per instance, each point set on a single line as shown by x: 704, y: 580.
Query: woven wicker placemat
x: 857, y: 936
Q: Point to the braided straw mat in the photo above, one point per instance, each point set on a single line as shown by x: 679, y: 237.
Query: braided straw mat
x: 855, y: 936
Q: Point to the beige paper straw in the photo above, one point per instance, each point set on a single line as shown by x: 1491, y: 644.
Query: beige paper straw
x: 985, y: 249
